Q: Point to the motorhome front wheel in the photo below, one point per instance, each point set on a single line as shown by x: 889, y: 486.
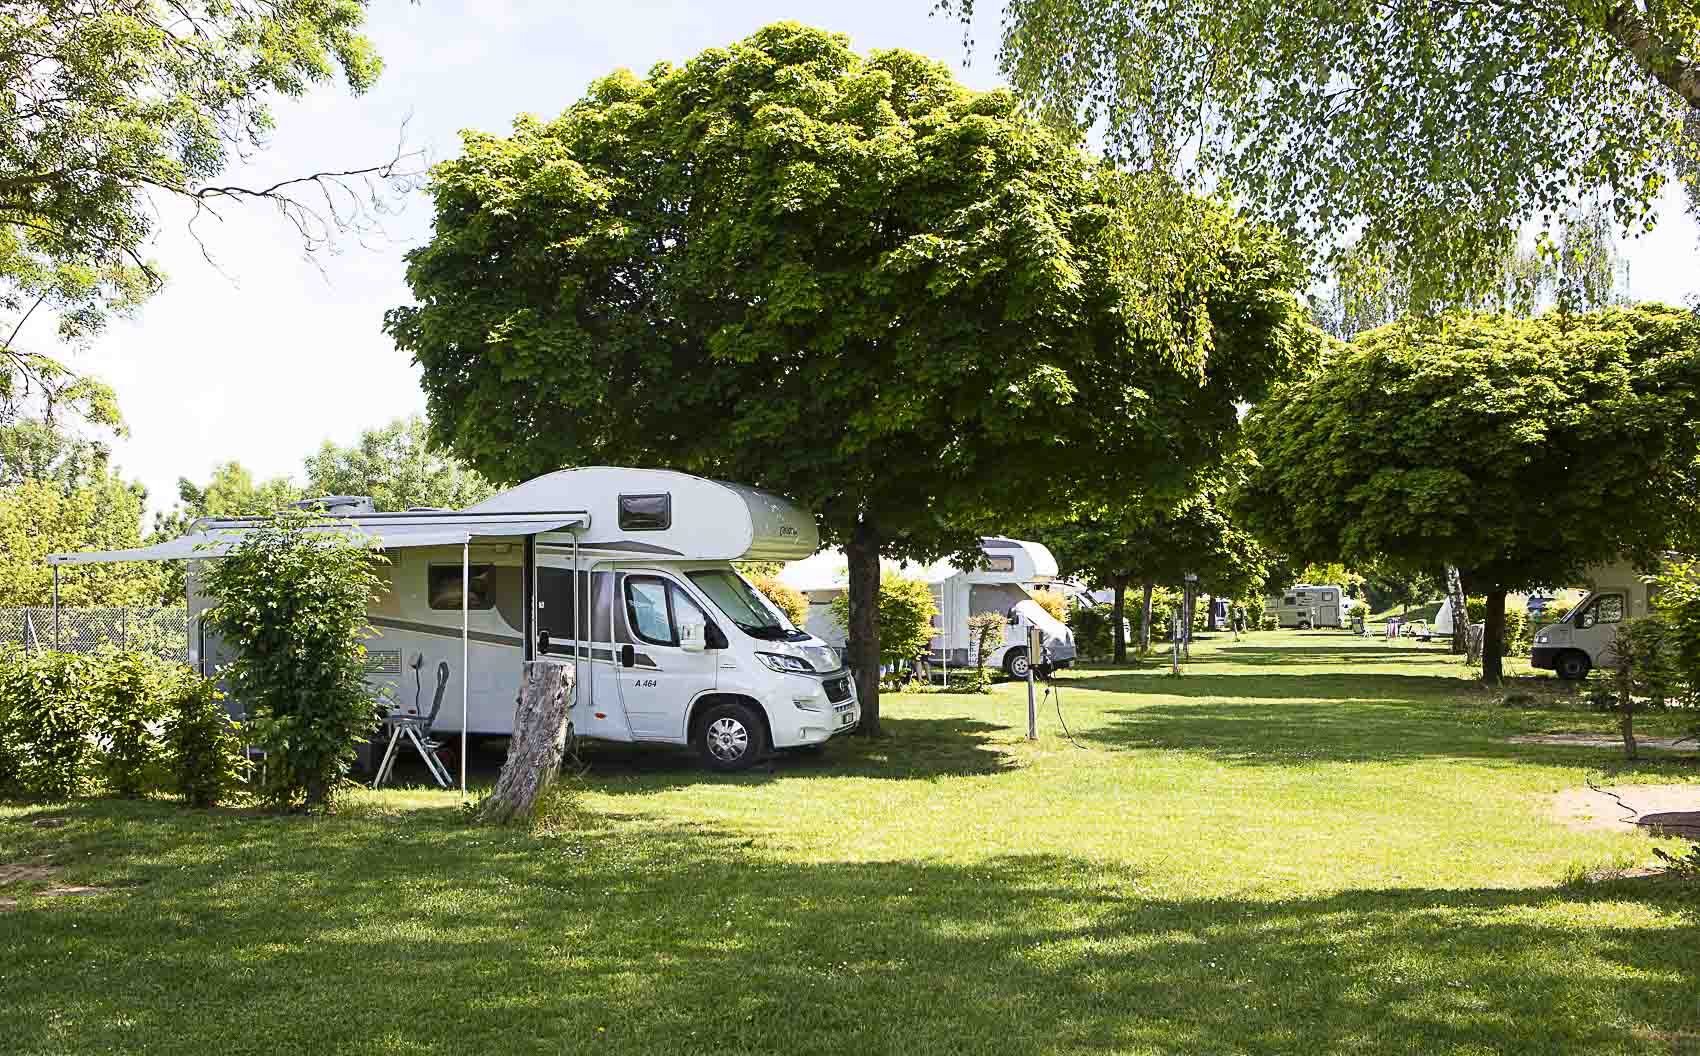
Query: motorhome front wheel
x: 730, y: 737
x: 1573, y: 665
x: 1015, y: 664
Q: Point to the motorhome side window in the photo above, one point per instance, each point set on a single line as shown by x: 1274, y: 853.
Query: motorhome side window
x: 1290, y: 600
x: 656, y: 609
x: 443, y: 587
x: 646, y: 513
x: 1000, y: 563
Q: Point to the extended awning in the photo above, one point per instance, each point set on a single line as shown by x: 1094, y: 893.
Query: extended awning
x: 382, y: 531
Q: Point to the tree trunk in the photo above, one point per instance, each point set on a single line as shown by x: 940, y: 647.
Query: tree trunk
x: 1118, y: 617
x: 862, y: 555
x: 1460, y: 611
x: 542, y: 721
x: 1145, y: 621
x: 1493, y: 639
x: 1662, y: 58
x: 1627, y: 726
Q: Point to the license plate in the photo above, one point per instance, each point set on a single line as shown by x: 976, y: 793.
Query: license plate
x: 846, y: 718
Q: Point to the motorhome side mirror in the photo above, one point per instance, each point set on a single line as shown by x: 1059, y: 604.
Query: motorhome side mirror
x: 715, y: 638
x: 542, y: 642
x: 628, y: 656
x: 1014, y: 618
x: 693, y: 637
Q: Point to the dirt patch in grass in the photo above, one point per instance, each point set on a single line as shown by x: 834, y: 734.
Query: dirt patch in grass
x: 32, y: 873
x: 1672, y: 810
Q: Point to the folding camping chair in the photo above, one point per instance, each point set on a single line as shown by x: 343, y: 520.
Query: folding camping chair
x: 416, y: 730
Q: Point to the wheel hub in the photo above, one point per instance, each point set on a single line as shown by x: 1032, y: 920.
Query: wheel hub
x: 728, y: 739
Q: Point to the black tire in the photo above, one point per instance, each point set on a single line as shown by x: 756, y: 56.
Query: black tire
x: 729, y: 737
x: 1015, y: 663
x: 1304, y: 625
x: 1572, y: 665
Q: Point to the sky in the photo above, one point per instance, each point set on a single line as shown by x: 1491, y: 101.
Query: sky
x: 262, y: 354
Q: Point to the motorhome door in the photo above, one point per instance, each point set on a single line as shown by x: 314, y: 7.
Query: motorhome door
x: 662, y: 667
x: 562, y: 612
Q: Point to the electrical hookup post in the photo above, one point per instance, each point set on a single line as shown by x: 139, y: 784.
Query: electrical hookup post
x: 1035, y: 656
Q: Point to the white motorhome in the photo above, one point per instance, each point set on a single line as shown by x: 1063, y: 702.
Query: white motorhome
x: 625, y: 573
x: 1310, y: 605
x: 1583, y: 640
x: 1000, y: 585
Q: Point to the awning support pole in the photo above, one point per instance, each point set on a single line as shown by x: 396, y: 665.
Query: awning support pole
x: 56, y: 608
x: 465, y: 650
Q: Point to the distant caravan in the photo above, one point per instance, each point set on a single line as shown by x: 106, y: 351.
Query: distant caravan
x: 1309, y: 606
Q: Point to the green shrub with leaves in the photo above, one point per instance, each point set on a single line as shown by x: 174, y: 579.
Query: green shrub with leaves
x: 48, y: 704
x: 1518, y: 634
x: 1676, y: 597
x: 1094, y: 635
x: 906, y: 612
x: 1647, y: 673
x: 292, y: 601
x: 131, y: 694
x: 203, y: 748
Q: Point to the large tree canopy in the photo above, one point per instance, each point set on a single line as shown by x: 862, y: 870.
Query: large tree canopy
x: 106, y: 102
x: 1518, y: 450
x: 1441, y: 128
x: 845, y: 278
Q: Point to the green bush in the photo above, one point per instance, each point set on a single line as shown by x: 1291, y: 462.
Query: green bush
x: 1269, y: 622
x: 131, y: 694
x: 1094, y: 631
x: 292, y: 600
x: 203, y: 747
x: 1518, y: 634
x: 1254, y: 608
x: 906, y: 612
x: 47, y: 720
x: 1676, y: 597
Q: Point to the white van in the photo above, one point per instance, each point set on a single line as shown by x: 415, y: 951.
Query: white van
x: 1310, y: 605
x: 1583, y: 640
x: 1000, y: 585
x: 625, y: 573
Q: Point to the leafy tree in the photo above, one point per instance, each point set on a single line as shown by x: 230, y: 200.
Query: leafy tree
x: 1156, y: 546
x: 1579, y: 271
x: 1388, y: 584
x: 292, y: 600
x: 1577, y: 446
x: 1438, y: 129
x: 846, y: 279
x: 106, y: 106
x: 80, y: 504
x: 397, y: 468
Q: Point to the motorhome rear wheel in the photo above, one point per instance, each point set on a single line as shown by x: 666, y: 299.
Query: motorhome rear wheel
x: 729, y: 737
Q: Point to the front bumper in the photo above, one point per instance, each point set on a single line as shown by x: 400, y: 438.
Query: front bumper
x: 812, y: 715
x: 1545, y: 657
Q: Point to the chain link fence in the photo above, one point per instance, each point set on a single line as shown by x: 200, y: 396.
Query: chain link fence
x: 161, y: 631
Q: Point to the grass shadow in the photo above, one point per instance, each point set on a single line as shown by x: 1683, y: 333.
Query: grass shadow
x: 350, y: 936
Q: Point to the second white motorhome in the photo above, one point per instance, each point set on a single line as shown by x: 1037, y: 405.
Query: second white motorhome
x: 1308, y: 606
x: 624, y: 573
x: 1000, y: 585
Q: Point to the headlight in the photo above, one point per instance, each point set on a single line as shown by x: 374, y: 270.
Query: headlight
x: 786, y: 664
x: 1540, y: 639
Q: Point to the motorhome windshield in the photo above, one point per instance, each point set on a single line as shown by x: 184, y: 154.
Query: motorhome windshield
x: 745, y: 606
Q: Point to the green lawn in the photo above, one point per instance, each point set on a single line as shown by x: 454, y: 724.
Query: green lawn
x: 1311, y: 843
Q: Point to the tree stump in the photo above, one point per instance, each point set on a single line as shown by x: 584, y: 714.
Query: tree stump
x: 542, y: 721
